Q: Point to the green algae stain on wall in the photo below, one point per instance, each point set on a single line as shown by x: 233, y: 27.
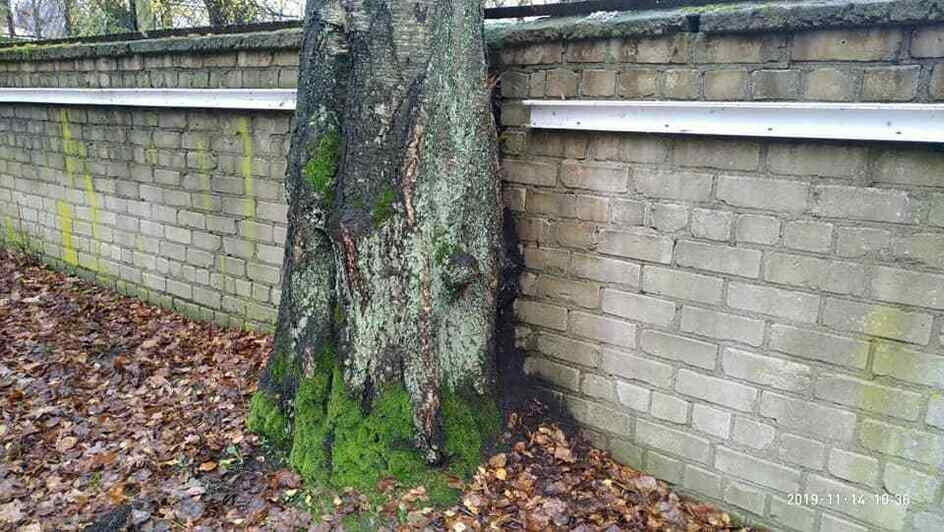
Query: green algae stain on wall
x: 245, y: 167
x: 64, y: 213
x: 71, y: 148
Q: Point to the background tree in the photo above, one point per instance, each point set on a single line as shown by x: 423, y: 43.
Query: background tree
x: 383, y: 357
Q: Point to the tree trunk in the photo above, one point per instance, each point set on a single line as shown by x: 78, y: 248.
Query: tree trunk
x: 383, y: 358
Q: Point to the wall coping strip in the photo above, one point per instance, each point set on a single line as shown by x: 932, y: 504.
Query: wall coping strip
x: 255, y: 99
x: 838, y: 121
x: 749, y: 17
x: 264, y: 40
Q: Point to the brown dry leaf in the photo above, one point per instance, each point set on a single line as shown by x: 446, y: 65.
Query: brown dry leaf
x: 207, y: 466
x: 66, y: 443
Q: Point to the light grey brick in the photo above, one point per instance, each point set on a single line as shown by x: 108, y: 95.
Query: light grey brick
x: 817, y: 159
x: 723, y: 259
x: 664, y: 468
x: 593, y: 208
x: 928, y: 41
x: 816, y: 345
x: 714, y: 390
x: 808, y: 418
x: 723, y: 154
x: 239, y: 247
x: 767, y: 371
x: 551, y: 203
x: 673, y: 184
x: 836, y: 496
x: 669, y: 408
x: 722, y: 326
x: 711, y: 420
x: 859, y: 203
x: 672, y: 441
x: 635, y: 367
x: 565, y: 290
x: 633, y: 396
x: 877, y: 320
x: 853, y: 467
x: 862, y: 241
x: 922, y: 248
x: 638, y: 83
x: 626, y: 453
x: 177, y: 234
x: 605, y: 269
x: 712, y: 224
x: 757, y: 229
x: 599, y: 387
x: 908, y: 287
x: 935, y: 415
x: 753, y: 434
x: 545, y: 315
x: 603, y: 329
x: 568, y: 349
x: 808, y: 235
x: 627, y: 212
x: 876, y: 44
x: 908, y: 365
x: 917, y: 486
x: 702, y: 481
x: 683, y: 285
x: 642, y: 245
x: 681, y: 84
x: 767, y: 194
x: 801, y: 451
x: 668, y: 217
x: 789, y: 514
x: 747, y: 497
x: 759, y: 471
x: 600, y: 417
x: 594, y: 176
x: 890, y: 84
x: 637, y: 307
x: 598, y: 83
x: 529, y: 172
x: 561, y: 83
x: 796, y: 306
x: 775, y: 84
x: 580, y: 235
x: 831, y: 523
x: 815, y: 273
x: 726, y: 84
x: 924, y: 447
x: 687, y: 350
x: 553, y: 372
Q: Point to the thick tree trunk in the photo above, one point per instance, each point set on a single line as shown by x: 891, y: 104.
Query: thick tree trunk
x: 383, y: 359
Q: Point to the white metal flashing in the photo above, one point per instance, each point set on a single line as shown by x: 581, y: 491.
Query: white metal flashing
x: 845, y: 121
x: 257, y: 99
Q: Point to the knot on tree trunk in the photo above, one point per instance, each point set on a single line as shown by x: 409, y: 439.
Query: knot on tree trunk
x: 459, y: 270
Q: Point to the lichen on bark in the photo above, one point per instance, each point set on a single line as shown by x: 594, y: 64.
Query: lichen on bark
x: 383, y: 356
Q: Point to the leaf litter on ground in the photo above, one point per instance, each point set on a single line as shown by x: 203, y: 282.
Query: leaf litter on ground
x: 120, y: 415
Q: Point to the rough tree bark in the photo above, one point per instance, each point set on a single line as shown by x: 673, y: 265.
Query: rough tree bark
x: 383, y: 357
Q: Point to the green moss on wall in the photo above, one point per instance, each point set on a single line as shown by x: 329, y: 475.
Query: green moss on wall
x: 322, y: 165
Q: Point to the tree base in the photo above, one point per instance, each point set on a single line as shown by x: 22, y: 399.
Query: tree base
x: 333, y: 440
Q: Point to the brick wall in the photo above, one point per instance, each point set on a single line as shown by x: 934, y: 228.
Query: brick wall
x: 748, y: 319
x: 182, y: 208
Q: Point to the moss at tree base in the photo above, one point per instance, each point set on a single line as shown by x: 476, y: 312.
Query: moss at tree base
x: 331, y: 442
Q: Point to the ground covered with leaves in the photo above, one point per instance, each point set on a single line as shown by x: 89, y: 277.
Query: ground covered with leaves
x: 118, y: 415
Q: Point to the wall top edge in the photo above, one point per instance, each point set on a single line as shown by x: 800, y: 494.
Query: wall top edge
x: 263, y: 40
x: 749, y: 17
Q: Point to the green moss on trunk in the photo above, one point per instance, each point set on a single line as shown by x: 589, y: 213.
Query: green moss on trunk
x: 322, y: 165
x: 331, y: 441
